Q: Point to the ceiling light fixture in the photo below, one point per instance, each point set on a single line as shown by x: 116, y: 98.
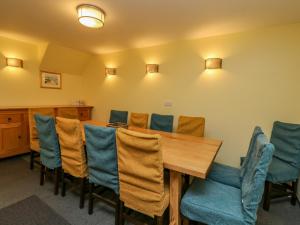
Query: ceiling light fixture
x: 90, y: 16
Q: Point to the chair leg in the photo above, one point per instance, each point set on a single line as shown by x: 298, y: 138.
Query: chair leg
x: 42, y: 175
x: 117, y: 212
x: 57, y: 172
x: 32, y: 160
x: 91, y: 198
x: 63, y: 189
x: 159, y: 220
x: 82, y: 189
x: 185, y: 221
x: 121, y: 211
x: 294, y: 194
x: 186, y: 183
x: 267, y: 195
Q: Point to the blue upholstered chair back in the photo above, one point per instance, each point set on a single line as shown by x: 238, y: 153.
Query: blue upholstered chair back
x: 162, y: 122
x: 49, y: 145
x: 286, y: 139
x: 255, y: 175
x: 102, y: 156
x: 118, y: 116
x: 251, y: 151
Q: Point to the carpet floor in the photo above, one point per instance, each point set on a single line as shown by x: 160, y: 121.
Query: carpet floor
x: 25, y: 211
x: 17, y: 182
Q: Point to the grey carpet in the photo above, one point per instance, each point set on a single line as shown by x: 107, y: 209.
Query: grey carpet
x: 17, y: 182
x: 30, y: 211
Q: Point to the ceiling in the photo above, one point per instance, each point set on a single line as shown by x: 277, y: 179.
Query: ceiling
x: 139, y: 23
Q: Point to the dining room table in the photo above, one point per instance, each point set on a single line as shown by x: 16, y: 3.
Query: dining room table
x: 182, y: 154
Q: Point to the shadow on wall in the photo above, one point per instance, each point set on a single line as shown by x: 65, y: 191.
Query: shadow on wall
x: 2, y: 61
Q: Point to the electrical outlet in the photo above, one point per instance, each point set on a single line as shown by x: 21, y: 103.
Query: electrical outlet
x: 168, y: 103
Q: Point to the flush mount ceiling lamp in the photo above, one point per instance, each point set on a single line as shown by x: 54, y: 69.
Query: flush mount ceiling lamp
x: 213, y: 63
x: 14, y: 62
x: 90, y: 16
x: 152, y: 68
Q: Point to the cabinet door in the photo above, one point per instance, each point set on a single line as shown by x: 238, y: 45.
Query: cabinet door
x: 11, y: 139
x: 84, y: 114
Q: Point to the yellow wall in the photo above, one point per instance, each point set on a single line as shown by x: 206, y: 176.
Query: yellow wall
x: 259, y: 83
x: 21, y: 87
x: 64, y: 60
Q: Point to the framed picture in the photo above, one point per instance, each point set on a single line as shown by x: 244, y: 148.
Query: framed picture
x: 50, y: 80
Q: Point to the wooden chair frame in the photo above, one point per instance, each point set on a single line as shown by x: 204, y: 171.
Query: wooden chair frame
x: 57, y: 174
x: 125, y: 215
x: 273, y: 191
x: 93, y: 193
x: 33, y: 160
x: 82, y: 186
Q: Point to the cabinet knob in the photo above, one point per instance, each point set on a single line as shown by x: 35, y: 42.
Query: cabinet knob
x: 8, y: 119
x: 19, y: 136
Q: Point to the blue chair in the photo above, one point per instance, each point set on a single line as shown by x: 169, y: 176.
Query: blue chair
x: 285, y: 167
x: 162, y: 122
x: 215, y: 203
x: 102, y: 163
x: 49, y: 148
x: 118, y: 116
x: 230, y: 175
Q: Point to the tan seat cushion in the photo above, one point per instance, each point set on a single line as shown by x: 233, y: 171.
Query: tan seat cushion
x: 31, y: 113
x: 35, y: 145
x: 71, y: 146
x: 141, y: 172
x: 139, y: 120
x: 191, y: 125
x: 143, y: 205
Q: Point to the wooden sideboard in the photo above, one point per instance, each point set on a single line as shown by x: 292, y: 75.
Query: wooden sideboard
x: 13, y: 132
x: 17, y: 127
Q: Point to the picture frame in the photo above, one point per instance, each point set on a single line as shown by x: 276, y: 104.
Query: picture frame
x: 50, y: 80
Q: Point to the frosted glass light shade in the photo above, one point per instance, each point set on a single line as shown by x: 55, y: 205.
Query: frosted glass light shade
x: 152, y: 68
x: 213, y: 63
x: 91, y: 16
x: 14, y: 62
x: 110, y: 71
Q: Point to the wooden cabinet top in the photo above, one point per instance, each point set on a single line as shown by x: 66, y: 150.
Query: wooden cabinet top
x: 2, y: 108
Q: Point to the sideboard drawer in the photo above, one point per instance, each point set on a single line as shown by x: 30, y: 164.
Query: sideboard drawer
x: 10, y: 118
x: 70, y: 113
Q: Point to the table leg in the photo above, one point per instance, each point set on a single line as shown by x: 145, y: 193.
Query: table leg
x: 175, y: 197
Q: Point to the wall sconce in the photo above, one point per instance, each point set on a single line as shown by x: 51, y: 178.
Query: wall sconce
x: 152, y: 68
x: 14, y: 62
x: 110, y: 71
x: 213, y: 63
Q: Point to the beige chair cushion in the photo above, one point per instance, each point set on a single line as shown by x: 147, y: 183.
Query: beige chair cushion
x: 71, y: 146
x: 191, y: 125
x: 34, y: 139
x: 35, y: 145
x: 141, y: 172
x: 139, y: 120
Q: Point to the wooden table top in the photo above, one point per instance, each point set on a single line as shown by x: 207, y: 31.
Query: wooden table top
x: 182, y: 153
